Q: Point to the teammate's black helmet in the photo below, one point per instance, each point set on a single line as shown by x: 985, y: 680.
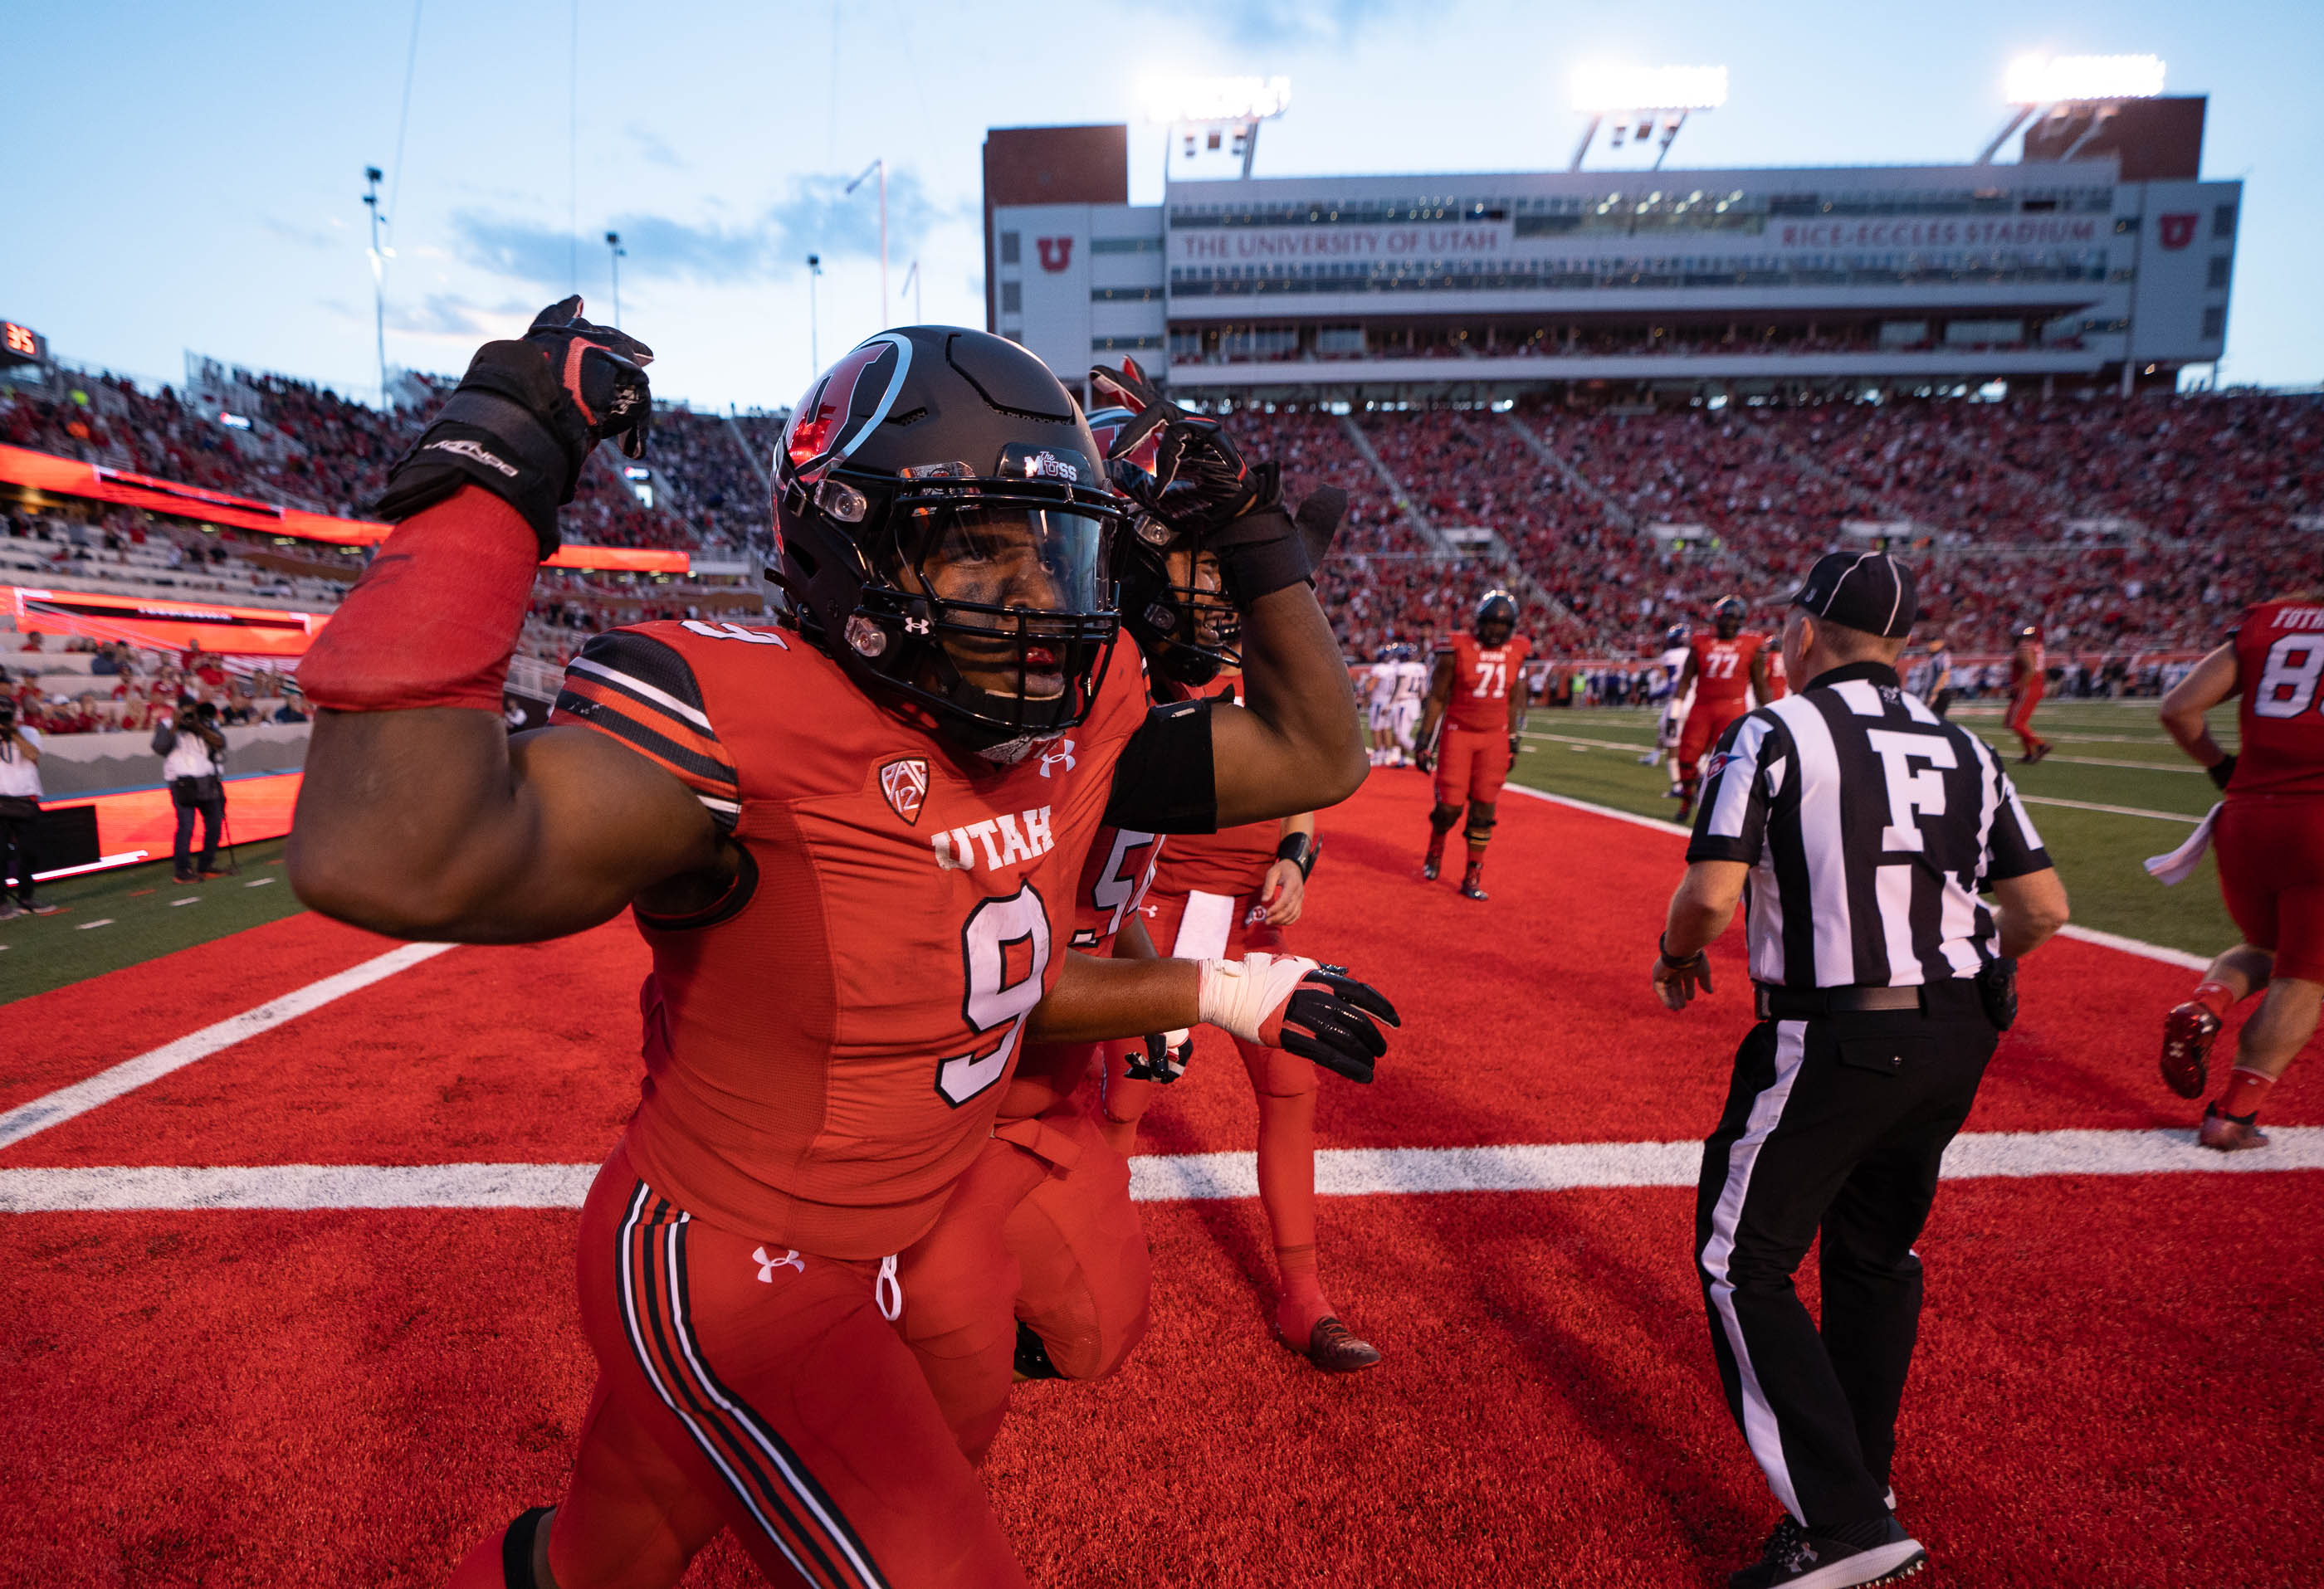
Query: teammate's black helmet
x: 1174, y: 603
x: 1727, y: 616
x: 1676, y: 636
x: 2029, y: 631
x: 1497, y: 618
x: 933, y: 451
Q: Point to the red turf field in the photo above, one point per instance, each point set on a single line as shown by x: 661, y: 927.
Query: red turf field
x: 2121, y: 1378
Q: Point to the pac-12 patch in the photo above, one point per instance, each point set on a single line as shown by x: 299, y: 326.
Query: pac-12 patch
x: 905, y: 783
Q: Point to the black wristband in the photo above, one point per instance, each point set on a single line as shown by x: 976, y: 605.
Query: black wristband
x: 1260, y: 553
x: 1662, y: 947
x: 2220, y: 771
x: 1301, y: 850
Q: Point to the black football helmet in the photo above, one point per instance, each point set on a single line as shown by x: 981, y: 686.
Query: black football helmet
x: 1727, y: 616
x: 1174, y: 603
x: 1497, y: 618
x: 1676, y: 637
x: 941, y: 508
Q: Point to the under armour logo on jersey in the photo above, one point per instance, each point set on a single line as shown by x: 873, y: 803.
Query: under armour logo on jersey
x: 1062, y: 753
x: 767, y: 1266
x: 1005, y: 839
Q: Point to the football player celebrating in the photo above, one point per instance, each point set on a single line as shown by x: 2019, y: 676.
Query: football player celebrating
x: 1479, y: 695
x: 850, y: 845
x: 2028, y: 680
x: 2269, y: 837
x: 1725, y: 675
x: 1671, y: 661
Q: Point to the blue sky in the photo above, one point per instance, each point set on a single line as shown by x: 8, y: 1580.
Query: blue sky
x: 190, y: 177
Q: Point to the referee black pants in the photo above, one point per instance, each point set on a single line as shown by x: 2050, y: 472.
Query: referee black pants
x: 1833, y: 1126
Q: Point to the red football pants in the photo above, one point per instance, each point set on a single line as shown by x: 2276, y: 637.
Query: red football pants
x: 2020, y: 720
x: 1041, y: 1228
x: 1470, y: 766
x: 1704, y: 724
x: 746, y: 1386
x: 2271, y: 851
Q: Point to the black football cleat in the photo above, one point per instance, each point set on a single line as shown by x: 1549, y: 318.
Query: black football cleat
x: 1033, y: 1357
x: 1472, y: 886
x: 1877, y: 1551
x: 1334, y: 1348
x: 1429, y: 867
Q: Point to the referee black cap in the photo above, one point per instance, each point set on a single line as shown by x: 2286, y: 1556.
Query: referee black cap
x: 1867, y: 591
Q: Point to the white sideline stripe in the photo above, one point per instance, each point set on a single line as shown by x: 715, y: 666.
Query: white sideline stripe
x: 2153, y: 951
x: 2160, y: 816
x: 2137, y: 946
x: 53, y: 1108
x: 1345, y: 1172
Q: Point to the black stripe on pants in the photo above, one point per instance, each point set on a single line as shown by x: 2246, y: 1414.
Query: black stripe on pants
x: 1835, y: 1126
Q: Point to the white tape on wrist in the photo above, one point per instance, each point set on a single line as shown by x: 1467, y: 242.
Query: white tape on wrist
x: 1238, y: 996
x: 1176, y: 1037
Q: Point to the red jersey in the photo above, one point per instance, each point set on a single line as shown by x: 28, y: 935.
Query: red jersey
x: 1722, y: 668
x: 1482, y: 678
x: 1114, y: 880
x: 1779, y: 683
x: 825, y: 1051
x: 2279, y: 658
x: 1232, y: 861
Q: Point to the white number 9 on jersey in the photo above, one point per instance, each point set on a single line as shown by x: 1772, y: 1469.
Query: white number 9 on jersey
x: 993, y: 1001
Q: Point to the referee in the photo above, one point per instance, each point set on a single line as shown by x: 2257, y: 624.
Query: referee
x: 1860, y: 829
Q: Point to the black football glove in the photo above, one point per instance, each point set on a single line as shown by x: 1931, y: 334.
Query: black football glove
x: 1516, y: 745
x: 524, y: 417
x: 1289, y: 1002
x: 2220, y: 771
x: 1166, y: 1057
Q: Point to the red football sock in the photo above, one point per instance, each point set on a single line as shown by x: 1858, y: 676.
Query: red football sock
x: 2215, y: 996
x: 1287, y: 1189
x: 2245, y: 1089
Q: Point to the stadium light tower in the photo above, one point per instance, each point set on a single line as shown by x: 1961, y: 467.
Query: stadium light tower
x: 1214, y: 112
x: 1649, y: 97
x: 912, y: 285
x: 617, y: 253
x: 2091, y: 86
x: 879, y: 166
x: 379, y: 256
x: 814, y: 353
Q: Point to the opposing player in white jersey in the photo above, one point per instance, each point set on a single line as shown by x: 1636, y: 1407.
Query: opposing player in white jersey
x: 1404, y: 710
x: 1379, y: 692
x: 1672, y: 662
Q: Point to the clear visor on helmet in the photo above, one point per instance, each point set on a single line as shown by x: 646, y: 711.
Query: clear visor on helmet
x: 992, y: 564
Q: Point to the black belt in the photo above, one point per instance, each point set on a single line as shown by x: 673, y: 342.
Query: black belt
x: 1813, y: 1004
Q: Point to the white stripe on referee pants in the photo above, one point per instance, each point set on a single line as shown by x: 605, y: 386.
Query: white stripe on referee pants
x: 1760, y: 1430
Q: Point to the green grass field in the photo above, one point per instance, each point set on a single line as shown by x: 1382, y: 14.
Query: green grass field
x: 114, y: 919
x: 2109, y: 753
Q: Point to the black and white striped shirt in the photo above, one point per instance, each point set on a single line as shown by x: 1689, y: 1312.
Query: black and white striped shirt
x: 1870, y: 825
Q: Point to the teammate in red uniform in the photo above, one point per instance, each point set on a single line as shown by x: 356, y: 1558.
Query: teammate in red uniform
x: 852, y: 847
x: 1727, y: 671
x: 1479, y: 696
x: 2028, y: 680
x: 2270, y: 840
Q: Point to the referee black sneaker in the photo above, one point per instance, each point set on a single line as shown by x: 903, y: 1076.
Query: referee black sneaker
x: 1875, y: 1551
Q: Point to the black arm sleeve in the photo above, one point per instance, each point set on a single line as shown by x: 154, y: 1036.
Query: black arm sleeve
x: 1166, y: 781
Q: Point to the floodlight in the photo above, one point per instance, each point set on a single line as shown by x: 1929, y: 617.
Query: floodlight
x: 1175, y: 101
x: 2037, y: 79
x: 1601, y: 88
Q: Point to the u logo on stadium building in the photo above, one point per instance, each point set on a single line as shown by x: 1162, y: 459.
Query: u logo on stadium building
x: 2177, y: 231
x: 1056, y: 252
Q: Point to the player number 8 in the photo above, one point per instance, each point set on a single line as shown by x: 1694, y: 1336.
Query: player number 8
x: 2287, y: 685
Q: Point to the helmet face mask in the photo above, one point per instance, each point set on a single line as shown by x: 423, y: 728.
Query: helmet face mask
x: 1727, y: 616
x: 945, y: 534
x: 1174, y: 600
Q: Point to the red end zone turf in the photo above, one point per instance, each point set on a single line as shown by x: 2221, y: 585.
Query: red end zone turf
x: 2120, y: 1378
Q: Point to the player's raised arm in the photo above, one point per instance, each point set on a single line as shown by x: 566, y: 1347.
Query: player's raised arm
x: 418, y: 816
x: 1294, y: 744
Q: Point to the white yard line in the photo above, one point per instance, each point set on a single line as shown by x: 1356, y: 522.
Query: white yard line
x: 2160, y: 816
x: 1595, y: 810
x: 1347, y: 1173
x: 53, y: 1108
x: 2137, y: 946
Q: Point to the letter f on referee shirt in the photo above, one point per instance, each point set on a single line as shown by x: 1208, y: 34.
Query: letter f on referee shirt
x: 1911, y: 794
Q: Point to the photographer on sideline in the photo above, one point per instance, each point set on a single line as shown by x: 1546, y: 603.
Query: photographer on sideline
x: 192, y: 748
x: 20, y: 808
